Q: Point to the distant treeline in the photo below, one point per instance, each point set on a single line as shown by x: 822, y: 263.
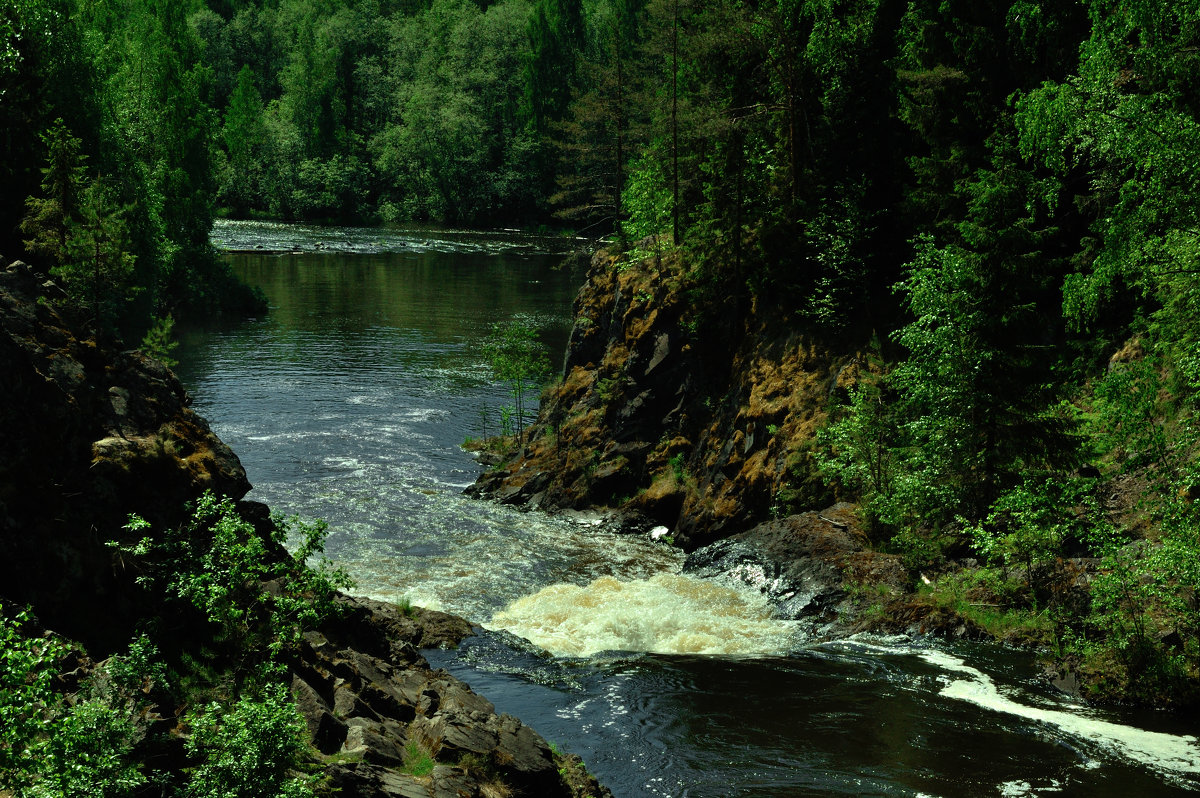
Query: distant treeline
x: 806, y: 145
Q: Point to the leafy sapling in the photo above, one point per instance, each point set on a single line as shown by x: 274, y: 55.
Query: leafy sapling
x: 520, y: 361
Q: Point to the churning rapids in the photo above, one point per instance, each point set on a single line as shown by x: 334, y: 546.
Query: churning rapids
x: 350, y: 402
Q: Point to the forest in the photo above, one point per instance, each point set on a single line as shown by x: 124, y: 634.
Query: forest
x: 999, y: 200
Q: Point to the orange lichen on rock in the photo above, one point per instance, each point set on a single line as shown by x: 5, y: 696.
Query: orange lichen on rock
x: 700, y: 419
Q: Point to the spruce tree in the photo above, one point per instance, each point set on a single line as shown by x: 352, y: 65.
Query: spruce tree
x: 555, y: 37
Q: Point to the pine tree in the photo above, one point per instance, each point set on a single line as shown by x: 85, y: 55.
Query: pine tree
x: 48, y: 218
x: 244, y: 136
x: 97, y: 272
x: 81, y: 231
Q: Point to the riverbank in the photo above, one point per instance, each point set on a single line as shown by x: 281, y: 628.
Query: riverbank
x: 94, y: 437
x: 353, y: 409
x: 698, y: 420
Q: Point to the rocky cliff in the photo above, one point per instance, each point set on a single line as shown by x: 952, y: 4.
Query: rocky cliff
x: 88, y: 436
x: 697, y: 412
x: 694, y: 415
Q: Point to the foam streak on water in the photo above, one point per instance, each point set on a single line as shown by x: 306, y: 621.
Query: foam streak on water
x: 1176, y: 757
x: 665, y: 614
x: 249, y: 236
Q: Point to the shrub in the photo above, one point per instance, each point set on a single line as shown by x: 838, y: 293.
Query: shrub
x: 49, y: 749
x: 1028, y: 524
x: 220, y: 565
x: 89, y: 752
x: 248, y: 750
x: 859, y: 449
x: 26, y: 672
x: 159, y: 343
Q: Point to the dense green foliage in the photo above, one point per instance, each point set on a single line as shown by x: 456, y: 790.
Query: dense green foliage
x: 52, y: 748
x: 219, y: 565
x: 107, y: 160
x: 1052, y: 193
x: 26, y: 672
x: 376, y: 110
x: 998, y: 195
x: 992, y: 197
x: 226, y: 605
x: 248, y: 750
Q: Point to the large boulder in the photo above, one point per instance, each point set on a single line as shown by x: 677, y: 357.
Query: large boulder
x: 87, y: 436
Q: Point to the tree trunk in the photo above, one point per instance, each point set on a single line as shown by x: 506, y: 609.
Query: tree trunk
x: 675, y: 121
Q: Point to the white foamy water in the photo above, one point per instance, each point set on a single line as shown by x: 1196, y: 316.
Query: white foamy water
x: 664, y: 614
x: 1168, y: 754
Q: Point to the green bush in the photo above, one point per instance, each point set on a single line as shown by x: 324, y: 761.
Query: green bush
x: 647, y: 199
x: 678, y: 467
x: 26, y: 673
x: 249, y: 750
x: 141, y: 670
x: 417, y: 759
x: 217, y: 563
x: 1028, y: 525
x: 85, y: 749
x: 89, y: 752
x: 859, y: 449
x: 1143, y: 630
x: 1128, y: 422
x: 919, y: 548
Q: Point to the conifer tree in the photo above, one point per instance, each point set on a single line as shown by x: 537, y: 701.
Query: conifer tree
x: 48, y: 218
x: 80, y: 229
x: 555, y: 37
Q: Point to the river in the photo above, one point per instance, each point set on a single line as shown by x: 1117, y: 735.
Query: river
x: 350, y: 402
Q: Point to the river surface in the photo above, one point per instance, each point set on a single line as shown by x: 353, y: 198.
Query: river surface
x: 350, y: 402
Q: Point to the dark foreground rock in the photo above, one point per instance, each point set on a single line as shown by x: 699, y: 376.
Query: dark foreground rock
x: 375, y: 708
x: 88, y: 436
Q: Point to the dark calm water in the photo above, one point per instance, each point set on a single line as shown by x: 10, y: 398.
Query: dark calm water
x: 349, y: 402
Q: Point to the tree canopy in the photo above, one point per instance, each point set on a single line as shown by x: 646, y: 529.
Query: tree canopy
x: 993, y: 196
